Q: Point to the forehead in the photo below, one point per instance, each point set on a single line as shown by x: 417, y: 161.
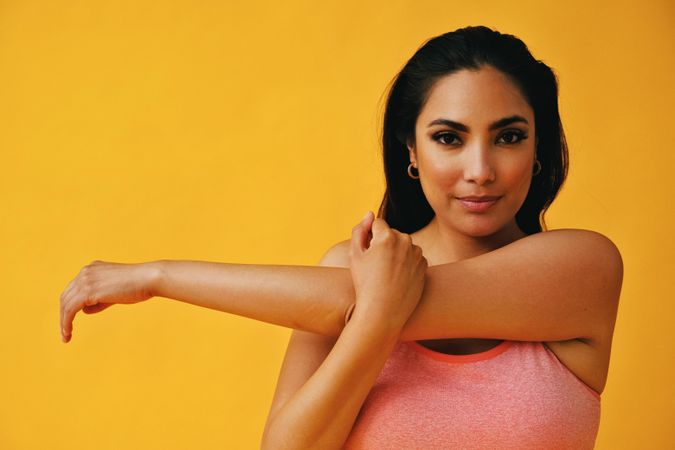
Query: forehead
x: 475, y: 97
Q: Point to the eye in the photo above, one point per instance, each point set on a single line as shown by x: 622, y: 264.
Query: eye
x: 512, y: 137
x: 517, y: 133
x: 441, y: 137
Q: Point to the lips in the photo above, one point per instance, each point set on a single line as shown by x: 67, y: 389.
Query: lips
x: 476, y: 198
x: 480, y: 204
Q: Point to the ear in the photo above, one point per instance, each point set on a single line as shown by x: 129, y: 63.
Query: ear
x: 412, y: 153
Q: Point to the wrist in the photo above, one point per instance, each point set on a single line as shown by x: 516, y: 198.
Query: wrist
x: 374, y: 320
x: 154, y: 276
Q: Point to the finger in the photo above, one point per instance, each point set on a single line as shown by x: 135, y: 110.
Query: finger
x: 368, y: 218
x: 70, y: 309
x: 65, y: 300
x: 365, y: 233
x: 73, y: 283
x: 68, y: 288
x: 93, y: 309
x: 379, y: 226
x: 360, y: 234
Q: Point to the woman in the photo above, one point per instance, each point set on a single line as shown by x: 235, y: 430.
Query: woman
x: 451, y: 320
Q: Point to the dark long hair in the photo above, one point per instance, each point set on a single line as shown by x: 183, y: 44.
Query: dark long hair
x: 404, y: 206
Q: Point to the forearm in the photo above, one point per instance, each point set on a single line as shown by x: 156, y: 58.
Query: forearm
x: 321, y: 414
x: 309, y: 298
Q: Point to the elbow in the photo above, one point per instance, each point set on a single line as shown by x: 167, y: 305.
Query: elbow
x: 612, y: 254
x: 609, y: 258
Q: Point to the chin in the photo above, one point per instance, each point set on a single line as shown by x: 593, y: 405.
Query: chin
x: 481, y: 227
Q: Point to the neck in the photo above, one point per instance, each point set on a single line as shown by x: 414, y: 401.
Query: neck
x: 442, y: 244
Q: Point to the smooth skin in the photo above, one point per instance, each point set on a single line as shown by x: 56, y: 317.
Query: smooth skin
x: 453, y: 163
x: 573, y: 280
x: 388, y: 274
x: 476, y: 158
x: 485, y: 280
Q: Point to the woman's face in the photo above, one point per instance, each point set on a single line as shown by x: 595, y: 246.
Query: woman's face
x: 464, y: 149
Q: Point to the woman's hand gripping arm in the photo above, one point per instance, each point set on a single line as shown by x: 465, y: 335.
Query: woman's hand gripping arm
x: 388, y: 278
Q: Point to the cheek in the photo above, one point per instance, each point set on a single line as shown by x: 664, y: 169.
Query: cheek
x: 519, y: 180
x: 440, y: 177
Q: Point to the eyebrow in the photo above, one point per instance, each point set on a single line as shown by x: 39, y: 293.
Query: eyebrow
x: 493, y: 126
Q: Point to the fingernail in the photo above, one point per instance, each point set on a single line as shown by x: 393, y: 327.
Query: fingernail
x: 365, y: 217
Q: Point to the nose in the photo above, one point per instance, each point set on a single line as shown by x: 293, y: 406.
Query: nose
x: 478, y: 164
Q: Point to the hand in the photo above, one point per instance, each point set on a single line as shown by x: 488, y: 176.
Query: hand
x: 102, y: 284
x: 388, y: 272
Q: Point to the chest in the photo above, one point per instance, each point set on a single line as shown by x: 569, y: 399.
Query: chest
x: 460, y: 346
x: 520, y: 399
x: 583, y: 361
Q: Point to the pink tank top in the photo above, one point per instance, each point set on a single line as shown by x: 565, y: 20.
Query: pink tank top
x: 517, y: 395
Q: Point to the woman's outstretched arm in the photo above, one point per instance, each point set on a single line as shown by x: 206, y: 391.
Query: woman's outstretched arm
x: 309, y: 298
x: 551, y: 286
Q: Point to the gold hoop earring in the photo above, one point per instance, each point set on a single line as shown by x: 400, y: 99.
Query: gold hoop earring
x: 410, y: 166
x: 538, y: 164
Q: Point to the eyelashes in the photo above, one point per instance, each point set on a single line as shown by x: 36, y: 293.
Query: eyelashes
x: 443, y: 135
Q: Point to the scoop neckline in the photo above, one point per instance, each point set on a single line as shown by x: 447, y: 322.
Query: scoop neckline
x: 472, y: 357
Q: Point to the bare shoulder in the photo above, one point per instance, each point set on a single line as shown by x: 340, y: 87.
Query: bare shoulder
x: 589, y: 359
x: 591, y: 249
x: 587, y: 241
x: 337, y: 255
x: 588, y: 256
x: 576, y: 235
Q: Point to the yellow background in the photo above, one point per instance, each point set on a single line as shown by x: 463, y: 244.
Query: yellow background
x: 247, y: 132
